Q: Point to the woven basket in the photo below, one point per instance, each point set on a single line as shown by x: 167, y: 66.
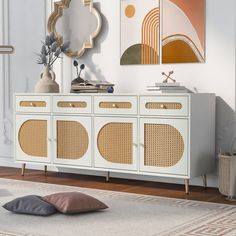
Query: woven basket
x: 224, y: 174
x: 227, y: 175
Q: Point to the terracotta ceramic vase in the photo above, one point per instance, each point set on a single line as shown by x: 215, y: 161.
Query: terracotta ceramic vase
x: 47, y: 83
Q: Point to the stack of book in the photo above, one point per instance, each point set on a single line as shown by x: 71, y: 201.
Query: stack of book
x: 93, y: 86
x: 168, y: 88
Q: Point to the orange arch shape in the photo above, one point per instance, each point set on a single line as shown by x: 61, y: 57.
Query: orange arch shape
x: 150, y: 37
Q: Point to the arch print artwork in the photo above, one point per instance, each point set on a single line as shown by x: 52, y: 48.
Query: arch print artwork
x: 140, y: 34
x: 183, y: 32
x: 182, y: 23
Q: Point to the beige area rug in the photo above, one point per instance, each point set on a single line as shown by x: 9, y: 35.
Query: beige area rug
x: 128, y: 214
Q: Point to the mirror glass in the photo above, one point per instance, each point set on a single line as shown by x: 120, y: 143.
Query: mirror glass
x: 76, y: 21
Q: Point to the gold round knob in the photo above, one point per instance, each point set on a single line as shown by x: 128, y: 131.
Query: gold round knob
x: 163, y: 106
x: 31, y: 104
x: 71, y: 105
x: 114, y: 105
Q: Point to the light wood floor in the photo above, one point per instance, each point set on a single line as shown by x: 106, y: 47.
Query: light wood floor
x: 122, y: 185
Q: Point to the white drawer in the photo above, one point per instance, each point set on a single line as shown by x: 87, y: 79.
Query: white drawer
x: 72, y: 104
x: 33, y: 104
x: 115, y: 105
x: 164, y: 105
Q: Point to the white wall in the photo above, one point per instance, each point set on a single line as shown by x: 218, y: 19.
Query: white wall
x: 217, y: 75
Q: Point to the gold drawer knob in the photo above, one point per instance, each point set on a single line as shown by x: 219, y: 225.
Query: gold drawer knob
x: 114, y: 105
x: 32, y: 104
x: 71, y: 105
x: 163, y: 106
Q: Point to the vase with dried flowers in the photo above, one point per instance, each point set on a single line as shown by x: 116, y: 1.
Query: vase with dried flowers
x: 50, y: 51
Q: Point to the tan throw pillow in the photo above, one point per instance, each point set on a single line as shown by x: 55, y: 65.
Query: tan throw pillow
x: 74, y: 202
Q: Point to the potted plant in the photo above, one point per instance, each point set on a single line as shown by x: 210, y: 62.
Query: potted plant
x: 50, y: 52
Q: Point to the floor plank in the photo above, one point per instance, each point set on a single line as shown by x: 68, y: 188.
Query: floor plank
x: 115, y: 184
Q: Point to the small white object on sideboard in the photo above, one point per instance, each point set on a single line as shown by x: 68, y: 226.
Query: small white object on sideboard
x: 168, y: 135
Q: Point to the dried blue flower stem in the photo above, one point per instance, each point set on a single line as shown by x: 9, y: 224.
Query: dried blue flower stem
x: 50, y: 50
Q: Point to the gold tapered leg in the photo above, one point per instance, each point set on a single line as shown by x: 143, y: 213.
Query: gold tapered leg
x: 108, y: 176
x: 186, y: 182
x: 204, y: 179
x: 23, y: 169
x: 45, y: 170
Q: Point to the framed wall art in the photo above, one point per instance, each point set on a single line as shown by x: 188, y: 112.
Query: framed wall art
x: 140, y: 30
x: 183, y: 31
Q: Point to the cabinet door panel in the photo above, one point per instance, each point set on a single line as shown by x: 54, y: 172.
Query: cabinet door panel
x: 116, y: 143
x: 164, y: 146
x: 72, y: 140
x: 32, y: 138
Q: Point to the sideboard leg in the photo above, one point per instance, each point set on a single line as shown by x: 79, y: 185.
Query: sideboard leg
x: 204, y: 179
x: 45, y: 170
x: 186, y: 182
x: 108, y: 176
x: 23, y: 169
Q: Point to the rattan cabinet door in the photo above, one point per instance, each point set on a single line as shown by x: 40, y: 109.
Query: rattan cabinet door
x: 32, y: 138
x: 115, y: 144
x: 72, y: 140
x: 164, y: 146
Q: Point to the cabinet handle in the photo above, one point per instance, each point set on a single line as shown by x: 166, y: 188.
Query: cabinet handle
x: 49, y: 139
x: 163, y: 106
x: 55, y: 140
x: 32, y: 104
x: 135, y: 144
x: 114, y: 105
x: 142, y: 145
x: 71, y: 105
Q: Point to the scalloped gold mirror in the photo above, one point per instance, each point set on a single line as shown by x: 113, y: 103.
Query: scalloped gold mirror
x: 76, y: 21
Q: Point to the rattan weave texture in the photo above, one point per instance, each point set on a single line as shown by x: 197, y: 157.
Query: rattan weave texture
x: 115, y: 142
x: 72, y: 104
x: 32, y: 138
x: 164, y: 145
x: 33, y: 104
x: 224, y: 174
x: 121, y: 105
x: 165, y: 105
x: 72, y: 140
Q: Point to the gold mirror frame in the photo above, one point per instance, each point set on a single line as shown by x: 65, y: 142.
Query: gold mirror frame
x: 6, y: 49
x: 58, y: 12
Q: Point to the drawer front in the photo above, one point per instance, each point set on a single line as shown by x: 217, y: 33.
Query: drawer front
x: 115, y: 105
x: 33, y: 104
x: 164, y: 105
x: 72, y: 104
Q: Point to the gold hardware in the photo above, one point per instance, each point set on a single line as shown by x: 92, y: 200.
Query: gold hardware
x: 72, y: 104
x: 33, y: 104
x: 163, y: 106
x: 23, y: 169
x: 45, y: 170
x: 114, y: 104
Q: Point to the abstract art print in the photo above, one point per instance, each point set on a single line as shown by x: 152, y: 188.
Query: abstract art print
x: 140, y: 30
x: 183, y: 32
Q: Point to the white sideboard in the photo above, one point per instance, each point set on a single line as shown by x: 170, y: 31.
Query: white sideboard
x: 168, y: 135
